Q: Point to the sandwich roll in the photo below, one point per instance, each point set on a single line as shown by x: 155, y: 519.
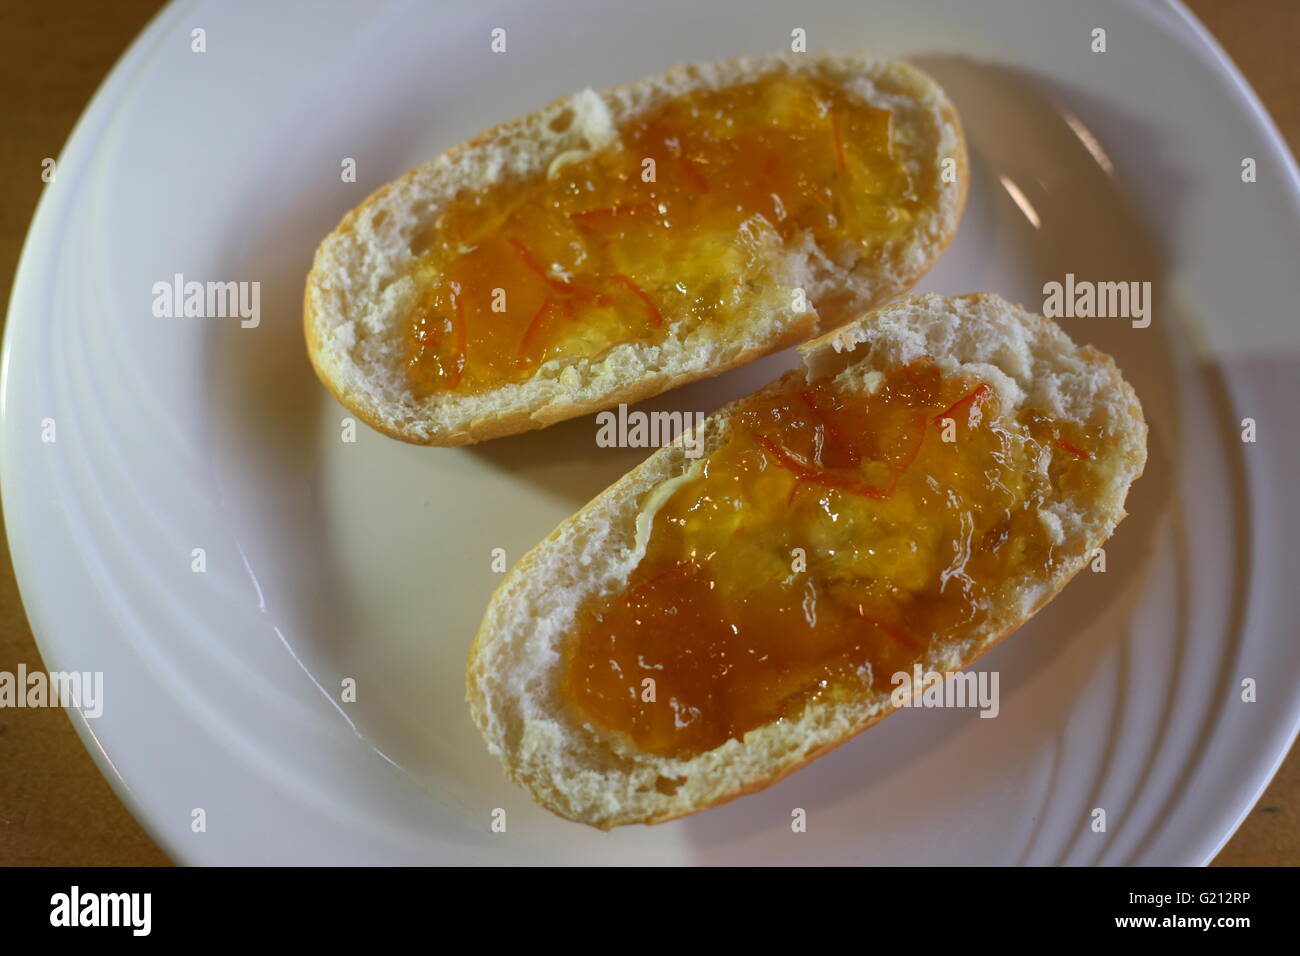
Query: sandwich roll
x: 933, y: 475
x: 614, y: 245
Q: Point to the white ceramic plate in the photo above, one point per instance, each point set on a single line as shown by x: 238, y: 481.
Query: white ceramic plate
x: 371, y: 560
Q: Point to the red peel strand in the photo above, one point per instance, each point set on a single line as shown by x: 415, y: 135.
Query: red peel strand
x: 569, y: 288
x: 806, y: 472
x: 793, y: 488
x: 832, y: 430
x: 531, y: 333
x: 693, y: 175
x: 919, y: 420
x: 968, y: 401
x: 655, y: 318
x: 657, y: 579
x: 609, y: 214
x: 890, y: 631
x: 1072, y: 448
x: 529, y: 259
x: 839, y: 142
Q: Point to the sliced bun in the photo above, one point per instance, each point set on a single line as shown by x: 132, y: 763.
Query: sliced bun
x: 517, y: 659
x: 358, y: 293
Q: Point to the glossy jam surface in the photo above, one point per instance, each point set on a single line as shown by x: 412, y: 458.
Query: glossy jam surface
x: 823, y: 547
x: 590, y: 255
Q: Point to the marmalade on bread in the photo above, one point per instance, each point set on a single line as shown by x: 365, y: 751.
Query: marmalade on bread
x: 829, y: 542
x: 569, y: 263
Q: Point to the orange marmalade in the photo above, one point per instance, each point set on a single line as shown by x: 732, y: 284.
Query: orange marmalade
x: 670, y: 227
x: 830, y: 542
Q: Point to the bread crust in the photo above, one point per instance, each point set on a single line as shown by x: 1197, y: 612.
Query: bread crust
x: 585, y: 774
x: 350, y: 317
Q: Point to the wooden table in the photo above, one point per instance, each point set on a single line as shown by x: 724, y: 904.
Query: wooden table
x: 55, y: 808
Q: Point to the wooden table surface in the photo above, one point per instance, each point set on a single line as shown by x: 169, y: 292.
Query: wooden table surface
x: 55, y: 808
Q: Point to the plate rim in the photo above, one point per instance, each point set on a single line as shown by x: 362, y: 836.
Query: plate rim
x: 85, y: 140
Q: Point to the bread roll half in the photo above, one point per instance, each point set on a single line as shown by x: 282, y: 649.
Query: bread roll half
x: 585, y: 772
x: 362, y: 289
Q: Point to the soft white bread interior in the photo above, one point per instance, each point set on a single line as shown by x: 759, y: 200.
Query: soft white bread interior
x: 359, y: 289
x: 586, y: 774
